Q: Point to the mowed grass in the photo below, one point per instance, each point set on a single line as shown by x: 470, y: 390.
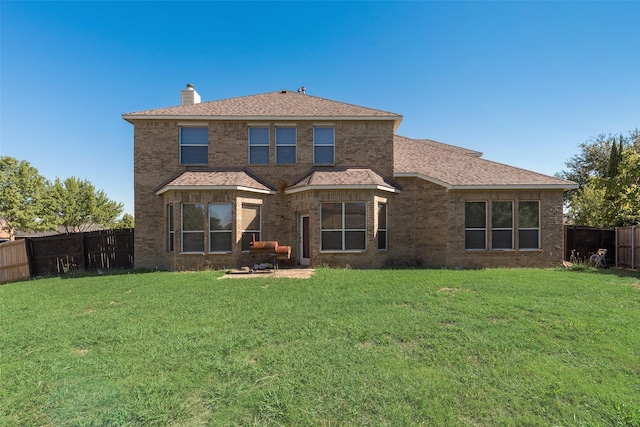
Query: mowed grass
x: 346, y: 347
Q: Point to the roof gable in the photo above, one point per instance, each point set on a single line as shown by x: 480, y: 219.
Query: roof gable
x: 457, y: 168
x: 272, y: 105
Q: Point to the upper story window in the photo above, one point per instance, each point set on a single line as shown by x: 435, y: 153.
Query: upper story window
x: 475, y: 225
x: 194, y: 146
x: 258, y: 145
x: 529, y: 225
x: 285, y: 145
x: 343, y: 226
x: 501, y: 225
x: 323, y: 146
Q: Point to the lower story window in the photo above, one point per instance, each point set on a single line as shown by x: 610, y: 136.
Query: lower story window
x: 529, y: 225
x: 250, y: 225
x: 382, y: 226
x: 475, y: 225
x: 343, y: 226
x: 193, y: 221
x: 501, y: 225
x: 170, y: 229
x: 220, y: 227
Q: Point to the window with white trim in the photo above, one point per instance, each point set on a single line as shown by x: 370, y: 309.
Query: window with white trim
x: 194, y: 146
x: 192, y: 226
x: 220, y: 221
x: 170, y: 230
x: 250, y: 224
x: 529, y: 225
x: 475, y: 225
x: 502, y: 225
x: 382, y: 226
x: 258, y: 145
x: 285, y: 145
x: 323, y: 145
x: 343, y: 226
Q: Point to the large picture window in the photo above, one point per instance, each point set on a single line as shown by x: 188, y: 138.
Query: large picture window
x: 529, y: 225
x: 285, y: 146
x: 501, y: 225
x: 258, y: 145
x: 475, y: 225
x: 343, y: 226
x: 220, y: 227
x: 193, y: 222
x: 323, y: 146
x: 250, y: 224
x: 194, y: 146
x: 382, y: 226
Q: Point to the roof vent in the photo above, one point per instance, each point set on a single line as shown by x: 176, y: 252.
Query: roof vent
x: 302, y: 90
x: 189, y: 96
x: 283, y: 91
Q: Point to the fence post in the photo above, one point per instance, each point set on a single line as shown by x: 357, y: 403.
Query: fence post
x: 633, y: 247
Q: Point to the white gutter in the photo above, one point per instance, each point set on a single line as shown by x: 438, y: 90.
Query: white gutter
x: 341, y: 187
x: 213, y: 187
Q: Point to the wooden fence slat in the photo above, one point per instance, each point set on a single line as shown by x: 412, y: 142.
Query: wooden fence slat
x: 14, y: 262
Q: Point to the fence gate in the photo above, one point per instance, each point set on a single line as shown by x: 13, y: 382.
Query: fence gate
x: 14, y: 262
x: 628, y: 243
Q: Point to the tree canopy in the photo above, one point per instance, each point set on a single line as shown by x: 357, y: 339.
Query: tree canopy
x: 608, y: 173
x: 22, y: 190
x: 28, y: 202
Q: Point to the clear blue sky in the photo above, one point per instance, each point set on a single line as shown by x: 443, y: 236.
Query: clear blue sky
x: 523, y: 82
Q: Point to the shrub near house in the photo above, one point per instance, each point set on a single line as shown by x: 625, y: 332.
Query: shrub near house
x: 333, y: 180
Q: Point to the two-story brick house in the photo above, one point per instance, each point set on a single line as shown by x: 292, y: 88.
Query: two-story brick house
x: 332, y: 180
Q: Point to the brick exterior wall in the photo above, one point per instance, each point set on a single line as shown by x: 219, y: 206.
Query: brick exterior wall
x: 425, y: 221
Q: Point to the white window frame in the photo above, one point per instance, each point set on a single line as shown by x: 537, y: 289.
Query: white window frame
x: 529, y: 228
x: 332, y: 145
x: 281, y: 145
x: 183, y: 145
x: 483, y: 229
x: 494, y: 229
x: 267, y: 145
x: 203, y: 231
x: 229, y: 232
x: 385, y: 229
x: 171, y: 238
x: 343, y: 229
x: 251, y: 231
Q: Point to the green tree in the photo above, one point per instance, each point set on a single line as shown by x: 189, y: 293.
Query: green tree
x: 611, y: 201
x: 126, y: 221
x: 77, y: 205
x: 22, y: 191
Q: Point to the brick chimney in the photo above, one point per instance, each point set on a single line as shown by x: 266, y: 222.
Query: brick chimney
x: 189, y: 96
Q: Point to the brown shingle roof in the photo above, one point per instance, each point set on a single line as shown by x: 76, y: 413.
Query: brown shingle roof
x: 267, y: 105
x: 215, y: 180
x: 345, y: 178
x: 459, y: 168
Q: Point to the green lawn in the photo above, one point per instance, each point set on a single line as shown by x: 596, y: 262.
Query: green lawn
x: 346, y: 347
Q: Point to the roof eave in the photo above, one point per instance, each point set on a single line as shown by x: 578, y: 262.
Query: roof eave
x: 449, y: 186
x: 213, y: 188
x: 341, y: 187
x: 131, y: 117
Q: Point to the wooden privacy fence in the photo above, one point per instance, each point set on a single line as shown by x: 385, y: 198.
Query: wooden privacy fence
x: 622, y: 244
x: 59, y: 254
x: 628, y: 243
x: 14, y: 262
x: 586, y: 241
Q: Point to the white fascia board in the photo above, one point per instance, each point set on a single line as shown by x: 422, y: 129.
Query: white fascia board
x: 213, y: 187
x: 341, y: 187
x: 130, y: 117
x: 449, y: 186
